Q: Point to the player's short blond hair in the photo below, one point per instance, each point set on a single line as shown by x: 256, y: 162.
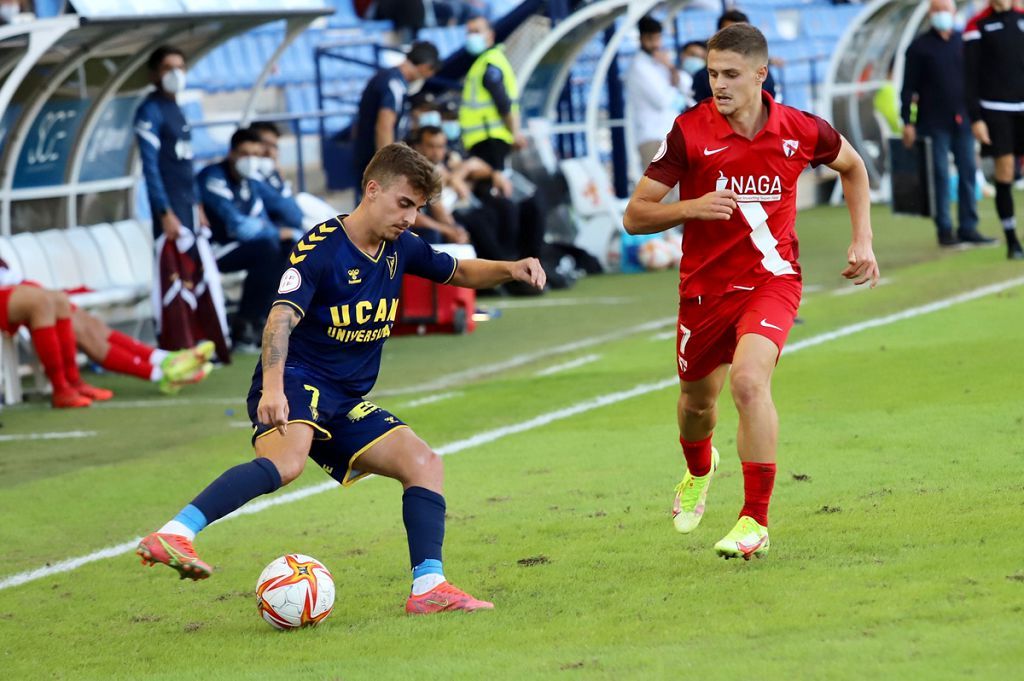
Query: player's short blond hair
x: 399, y: 160
x: 742, y: 39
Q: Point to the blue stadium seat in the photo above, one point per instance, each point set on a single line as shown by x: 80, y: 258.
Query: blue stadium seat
x: 448, y: 39
x: 204, y: 147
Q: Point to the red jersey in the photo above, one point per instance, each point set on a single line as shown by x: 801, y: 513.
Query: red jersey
x: 702, y: 154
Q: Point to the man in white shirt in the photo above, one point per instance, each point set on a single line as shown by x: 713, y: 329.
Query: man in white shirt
x: 652, y: 91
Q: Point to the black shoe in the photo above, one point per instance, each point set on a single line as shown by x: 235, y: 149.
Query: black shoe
x: 947, y: 240
x: 1014, y: 251
x: 975, y: 238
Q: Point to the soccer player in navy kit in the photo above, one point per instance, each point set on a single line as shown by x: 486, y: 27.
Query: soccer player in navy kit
x: 737, y: 158
x: 322, y: 344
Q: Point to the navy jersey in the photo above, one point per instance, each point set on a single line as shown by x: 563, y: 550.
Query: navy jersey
x: 348, y: 301
x: 165, y: 145
x: 244, y: 210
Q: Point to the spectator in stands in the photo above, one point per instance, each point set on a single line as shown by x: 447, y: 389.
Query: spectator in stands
x: 497, y: 224
x: 693, y: 57
x: 380, y: 120
x: 489, y: 114
x: 652, y: 89
x: 435, y: 223
x: 993, y: 48
x: 934, y: 78
x: 58, y: 328
x: 701, y: 81
x: 253, y: 227
x: 188, y: 282
x: 10, y: 11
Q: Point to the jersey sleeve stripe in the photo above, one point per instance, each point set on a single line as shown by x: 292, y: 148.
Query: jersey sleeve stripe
x: 455, y: 269
x: 302, y: 313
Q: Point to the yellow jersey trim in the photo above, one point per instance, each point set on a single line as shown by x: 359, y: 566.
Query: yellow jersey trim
x: 319, y: 432
x: 454, y: 270
x: 372, y: 258
x: 302, y: 313
x: 349, y: 480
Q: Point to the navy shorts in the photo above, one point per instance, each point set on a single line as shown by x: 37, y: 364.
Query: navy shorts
x: 343, y: 426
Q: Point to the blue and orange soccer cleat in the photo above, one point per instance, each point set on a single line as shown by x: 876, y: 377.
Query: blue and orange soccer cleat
x: 174, y: 551
x: 443, y: 598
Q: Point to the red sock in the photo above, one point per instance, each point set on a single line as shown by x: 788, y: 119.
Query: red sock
x: 44, y: 338
x: 135, y: 347
x: 68, y: 350
x: 698, y: 456
x: 122, y: 361
x: 758, y: 481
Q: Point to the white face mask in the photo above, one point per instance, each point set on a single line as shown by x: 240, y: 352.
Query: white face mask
x: 9, y: 12
x: 173, y: 81
x: 476, y: 43
x: 266, y: 167
x: 431, y: 118
x: 249, y: 167
x: 693, y: 64
x: 942, y: 21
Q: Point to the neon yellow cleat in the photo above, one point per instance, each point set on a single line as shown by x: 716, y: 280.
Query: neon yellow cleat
x: 691, y: 498
x: 179, y: 364
x: 196, y: 375
x: 748, y: 538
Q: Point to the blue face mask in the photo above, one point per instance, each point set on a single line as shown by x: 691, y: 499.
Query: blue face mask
x: 693, y: 64
x: 452, y: 130
x: 476, y: 43
x: 942, y: 21
x: 432, y: 118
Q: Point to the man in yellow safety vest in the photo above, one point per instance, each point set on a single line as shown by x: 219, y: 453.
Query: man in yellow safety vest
x: 489, y: 114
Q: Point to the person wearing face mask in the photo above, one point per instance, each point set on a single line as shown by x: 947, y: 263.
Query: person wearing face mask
x: 489, y: 113
x: 934, y: 78
x: 994, y: 80
x: 253, y: 227
x: 10, y: 11
x: 693, y: 58
x: 187, y: 286
x: 382, y: 104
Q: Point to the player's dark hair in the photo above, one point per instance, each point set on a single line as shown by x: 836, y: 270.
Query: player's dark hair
x: 702, y: 44
x: 732, y: 16
x: 424, y: 131
x: 244, y: 135
x: 400, y: 160
x: 648, y: 26
x: 424, y: 53
x: 742, y: 39
x: 266, y: 126
x: 157, y: 56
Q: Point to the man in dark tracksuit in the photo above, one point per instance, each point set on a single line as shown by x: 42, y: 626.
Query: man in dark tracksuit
x: 994, y: 80
x: 187, y: 299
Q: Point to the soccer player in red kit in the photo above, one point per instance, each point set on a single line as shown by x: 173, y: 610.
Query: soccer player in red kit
x: 736, y: 158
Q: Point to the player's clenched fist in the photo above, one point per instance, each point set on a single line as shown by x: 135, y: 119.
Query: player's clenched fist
x: 529, y: 271
x: 717, y: 205
x: 273, y: 410
x: 862, y: 266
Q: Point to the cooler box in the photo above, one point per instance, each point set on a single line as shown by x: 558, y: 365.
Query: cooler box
x: 427, y: 307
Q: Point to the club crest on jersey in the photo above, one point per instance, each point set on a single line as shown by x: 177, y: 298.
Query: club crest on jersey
x: 662, y: 150
x: 789, y: 147
x: 392, y: 261
x: 353, y: 276
x: 291, y: 280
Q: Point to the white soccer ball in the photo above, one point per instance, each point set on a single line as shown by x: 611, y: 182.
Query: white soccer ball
x: 295, y: 591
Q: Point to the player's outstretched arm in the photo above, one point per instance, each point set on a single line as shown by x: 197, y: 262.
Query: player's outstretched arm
x: 646, y: 214
x: 860, y: 257
x: 489, y: 273
x: 273, y: 406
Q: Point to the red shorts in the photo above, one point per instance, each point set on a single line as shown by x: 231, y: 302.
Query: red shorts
x: 6, y: 326
x: 710, y: 326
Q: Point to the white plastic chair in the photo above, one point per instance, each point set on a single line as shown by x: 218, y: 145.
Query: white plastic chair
x: 61, y: 258
x: 34, y: 263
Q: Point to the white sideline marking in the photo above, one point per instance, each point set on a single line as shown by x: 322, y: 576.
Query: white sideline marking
x: 565, y: 366
x: 430, y: 399
x: 531, y: 424
x: 664, y: 335
x: 48, y: 436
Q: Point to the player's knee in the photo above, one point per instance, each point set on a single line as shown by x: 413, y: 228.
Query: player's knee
x: 696, y: 406
x: 748, y: 387
x: 290, y: 467
x: 61, y: 303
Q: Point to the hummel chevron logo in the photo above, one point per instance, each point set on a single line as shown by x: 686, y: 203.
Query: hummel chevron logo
x: 764, y: 323
x: 712, y: 152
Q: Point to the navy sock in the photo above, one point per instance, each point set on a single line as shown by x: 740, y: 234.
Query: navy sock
x: 235, y: 487
x: 423, y: 514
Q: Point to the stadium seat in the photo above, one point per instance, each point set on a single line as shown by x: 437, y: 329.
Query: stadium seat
x: 115, y: 257
x: 448, y: 39
x: 61, y: 259
x: 139, y: 246
x: 34, y: 263
x: 10, y: 256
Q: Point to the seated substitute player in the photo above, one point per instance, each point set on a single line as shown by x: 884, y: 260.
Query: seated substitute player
x: 321, y: 354
x: 58, y: 328
x: 736, y: 158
